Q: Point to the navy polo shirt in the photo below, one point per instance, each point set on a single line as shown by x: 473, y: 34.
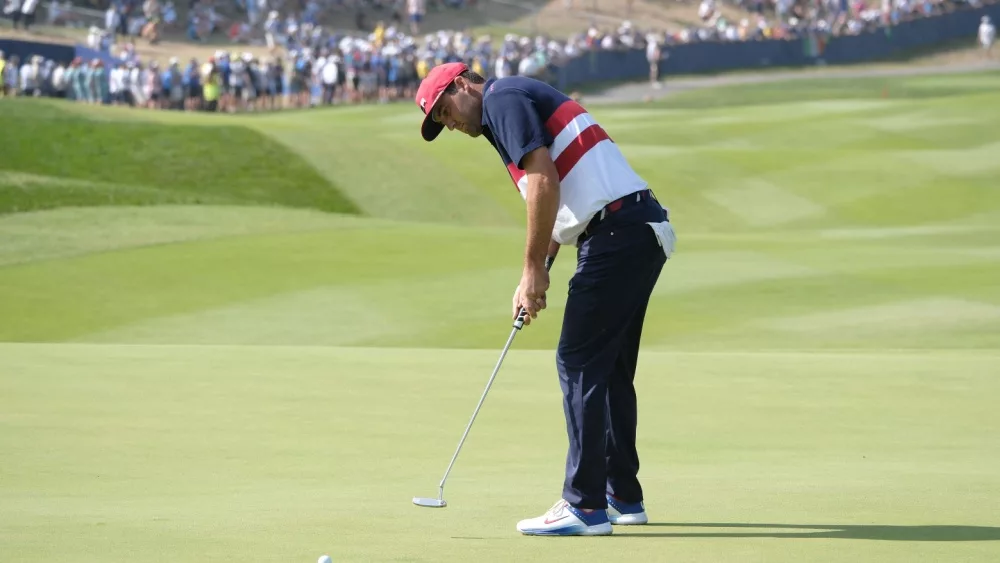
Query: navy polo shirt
x: 522, y: 114
x: 515, y: 110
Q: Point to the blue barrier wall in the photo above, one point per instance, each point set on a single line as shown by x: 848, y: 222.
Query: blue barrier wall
x: 87, y: 54
x: 694, y: 58
x: 25, y: 49
x: 58, y: 53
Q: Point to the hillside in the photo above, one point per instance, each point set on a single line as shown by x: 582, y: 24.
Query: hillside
x: 744, y: 170
x: 65, y: 159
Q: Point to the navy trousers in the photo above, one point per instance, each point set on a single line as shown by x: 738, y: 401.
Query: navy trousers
x: 617, y: 267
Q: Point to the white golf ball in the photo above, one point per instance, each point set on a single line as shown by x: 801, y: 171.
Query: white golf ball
x: 325, y: 559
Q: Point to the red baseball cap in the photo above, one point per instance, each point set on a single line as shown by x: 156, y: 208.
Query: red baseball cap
x: 429, y: 92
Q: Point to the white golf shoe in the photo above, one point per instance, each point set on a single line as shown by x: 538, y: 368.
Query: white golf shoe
x: 565, y: 520
x: 626, y: 514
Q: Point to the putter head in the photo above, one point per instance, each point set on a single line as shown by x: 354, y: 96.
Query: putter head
x: 429, y: 502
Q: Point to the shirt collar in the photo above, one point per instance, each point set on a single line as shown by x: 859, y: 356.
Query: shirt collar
x: 486, y: 90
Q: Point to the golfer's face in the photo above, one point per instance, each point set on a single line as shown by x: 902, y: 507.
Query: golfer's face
x: 460, y: 111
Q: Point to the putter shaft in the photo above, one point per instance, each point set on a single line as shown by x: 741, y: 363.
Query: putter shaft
x: 476, y: 412
x: 518, y: 324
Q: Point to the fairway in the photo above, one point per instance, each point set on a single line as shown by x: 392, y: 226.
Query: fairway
x: 265, y: 358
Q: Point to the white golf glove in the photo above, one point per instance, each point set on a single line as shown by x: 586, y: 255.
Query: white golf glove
x: 665, y: 236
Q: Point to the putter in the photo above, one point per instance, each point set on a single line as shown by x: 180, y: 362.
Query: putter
x: 439, y: 502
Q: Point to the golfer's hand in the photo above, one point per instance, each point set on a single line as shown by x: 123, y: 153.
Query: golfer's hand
x: 530, y: 292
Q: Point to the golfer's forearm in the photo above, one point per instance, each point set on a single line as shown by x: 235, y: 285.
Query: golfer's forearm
x: 543, y: 204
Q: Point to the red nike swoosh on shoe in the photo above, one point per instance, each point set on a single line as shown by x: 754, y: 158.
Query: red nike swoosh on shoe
x: 547, y: 521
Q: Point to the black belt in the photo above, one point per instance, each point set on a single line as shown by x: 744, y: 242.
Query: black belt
x: 624, y: 202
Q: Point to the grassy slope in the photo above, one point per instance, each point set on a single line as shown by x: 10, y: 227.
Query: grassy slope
x: 372, y: 154
x: 773, y: 200
x: 60, y: 159
x: 846, y: 242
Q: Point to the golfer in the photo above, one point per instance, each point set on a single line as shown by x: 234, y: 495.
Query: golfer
x: 579, y: 191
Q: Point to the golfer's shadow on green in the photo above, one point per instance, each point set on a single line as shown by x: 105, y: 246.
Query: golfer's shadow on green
x: 821, y: 531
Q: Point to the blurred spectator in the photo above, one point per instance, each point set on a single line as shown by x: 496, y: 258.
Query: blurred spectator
x: 654, y: 55
x: 3, y: 81
x: 12, y: 10
x: 987, y: 34
x: 59, y: 82
x: 29, y: 75
x: 11, y: 77
x: 415, y: 10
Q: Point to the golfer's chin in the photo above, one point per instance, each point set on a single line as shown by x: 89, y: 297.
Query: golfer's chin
x: 473, y: 132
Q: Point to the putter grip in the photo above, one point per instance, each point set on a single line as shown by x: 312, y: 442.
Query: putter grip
x: 519, y: 321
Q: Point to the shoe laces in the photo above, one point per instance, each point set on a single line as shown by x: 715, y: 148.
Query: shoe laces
x: 558, y: 507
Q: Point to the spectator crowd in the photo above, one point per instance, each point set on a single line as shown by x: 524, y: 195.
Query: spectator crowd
x: 310, y: 65
x: 791, y: 19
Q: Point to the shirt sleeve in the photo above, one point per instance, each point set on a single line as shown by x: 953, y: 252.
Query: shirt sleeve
x: 515, y: 123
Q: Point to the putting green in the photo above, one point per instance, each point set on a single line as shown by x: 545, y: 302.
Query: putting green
x: 269, y: 453
x: 226, y: 370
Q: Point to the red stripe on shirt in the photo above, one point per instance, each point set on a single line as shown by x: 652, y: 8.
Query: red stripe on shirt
x: 515, y: 174
x: 562, y: 116
x: 579, y: 147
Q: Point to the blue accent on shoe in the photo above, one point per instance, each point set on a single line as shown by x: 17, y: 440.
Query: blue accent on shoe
x: 571, y: 530
x: 624, y: 507
x: 593, y: 519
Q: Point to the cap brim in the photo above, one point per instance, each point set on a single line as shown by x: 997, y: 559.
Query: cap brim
x: 430, y: 128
